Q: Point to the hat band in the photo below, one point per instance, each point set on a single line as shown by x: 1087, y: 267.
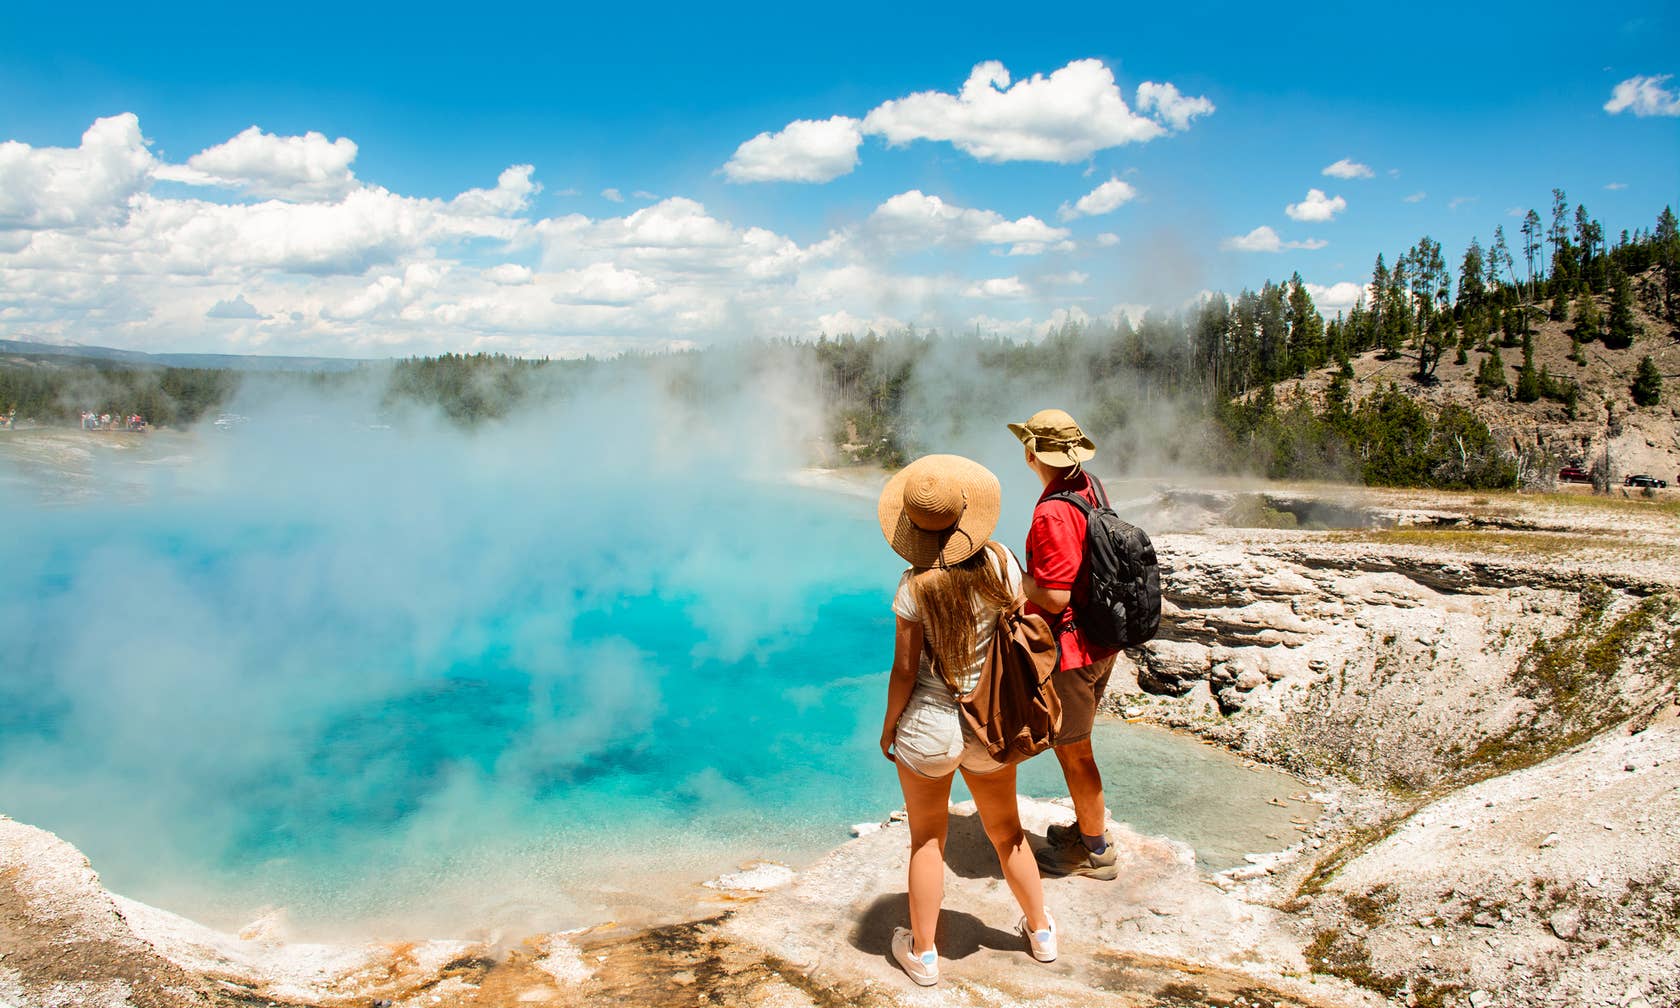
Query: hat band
x: 1041, y: 442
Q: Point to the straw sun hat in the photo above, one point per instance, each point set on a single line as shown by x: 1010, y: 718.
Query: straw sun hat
x: 1055, y: 438
x: 939, y: 510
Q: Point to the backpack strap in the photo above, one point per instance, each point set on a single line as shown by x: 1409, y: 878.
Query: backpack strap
x: 1078, y: 500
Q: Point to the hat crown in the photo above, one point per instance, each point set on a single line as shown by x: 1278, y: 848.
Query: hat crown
x: 933, y: 503
x: 1054, y: 423
x: 1055, y: 438
x: 939, y: 510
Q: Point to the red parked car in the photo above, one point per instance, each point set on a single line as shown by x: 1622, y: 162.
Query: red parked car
x: 1574, y: 474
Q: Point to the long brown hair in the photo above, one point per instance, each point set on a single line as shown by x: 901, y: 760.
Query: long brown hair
x: 946, y: 598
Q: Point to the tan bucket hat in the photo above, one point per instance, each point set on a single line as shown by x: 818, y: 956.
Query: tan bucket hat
x: 939, y: 510
x: 1055, y: 438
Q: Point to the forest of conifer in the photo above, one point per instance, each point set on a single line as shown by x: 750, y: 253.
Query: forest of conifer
x: 1217, y: 361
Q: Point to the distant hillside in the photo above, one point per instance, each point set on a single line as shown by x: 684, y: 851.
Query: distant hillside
x: 1641, y: 439
x: 221, y: 362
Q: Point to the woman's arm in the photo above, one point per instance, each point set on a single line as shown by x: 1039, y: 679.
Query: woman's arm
x: 1051, y: 600
x: 907, y: 655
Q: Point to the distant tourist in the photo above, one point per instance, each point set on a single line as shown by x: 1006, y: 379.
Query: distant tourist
x: 1056, y: 448
x: 939, y: 514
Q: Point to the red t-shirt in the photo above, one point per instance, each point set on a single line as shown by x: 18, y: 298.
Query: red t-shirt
x: 1055, y: 553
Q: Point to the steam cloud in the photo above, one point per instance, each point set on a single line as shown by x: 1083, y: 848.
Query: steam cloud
x: 407, y: 679
x: 353, y: 670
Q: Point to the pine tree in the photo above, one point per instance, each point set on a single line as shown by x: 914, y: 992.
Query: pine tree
x: 1499, y: 263
x: 1472, y: 286
x: 1531, y: 246
x: 1379, y: 294
x: 1558, y: 233
x: 1528, y: 380
x: 1589, y: 239
x: 1623, y: 328
x: 1589, y: 324
x: 1432, y: 344
x: 1490, y: 376
x: 1306, y: 328
x: 1647, y: 383
x: 1666, y: 240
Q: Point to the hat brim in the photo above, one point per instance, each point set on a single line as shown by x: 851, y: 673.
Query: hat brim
x: 967, y: 537
x: 1083, y: 450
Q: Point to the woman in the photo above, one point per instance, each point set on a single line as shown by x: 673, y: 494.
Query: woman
x: 938, y: 513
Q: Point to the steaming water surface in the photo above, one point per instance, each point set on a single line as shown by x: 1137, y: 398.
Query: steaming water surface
x: 423, y: 683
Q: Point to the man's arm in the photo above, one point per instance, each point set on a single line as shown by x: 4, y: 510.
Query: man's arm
x: 1053, y: 555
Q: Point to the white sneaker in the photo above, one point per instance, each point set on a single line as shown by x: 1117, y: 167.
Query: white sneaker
x: 1042, y: 944
x: 924, y: 968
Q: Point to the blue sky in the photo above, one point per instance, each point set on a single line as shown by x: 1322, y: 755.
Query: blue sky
x: 370, y: 181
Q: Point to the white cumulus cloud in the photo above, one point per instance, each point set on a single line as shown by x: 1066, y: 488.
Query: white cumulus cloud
x: 1417, y: 197
x: 1108, y: 239
x: 997, y: 287
x: 308, y: 167
x: 509, y: 275
x: 805, y: 151
x: 1106, y: 198
x: 512, y: 193
x: 1316, y: 207
x: 1170, y: 107
x: 602, y: 283
x: 1337, y: 297
x: 1347, y: 168
x: 1644, y: 96
x: 915, y: 218
x: 71, y: 187
x: 1264, y: 239
x: 612, y: 195
x: 1068, y: 115
x: 1071, y: 114
x: 91, y: 250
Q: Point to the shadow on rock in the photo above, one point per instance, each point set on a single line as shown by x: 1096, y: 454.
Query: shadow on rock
x: 960, y: 934
x: 968, y: 851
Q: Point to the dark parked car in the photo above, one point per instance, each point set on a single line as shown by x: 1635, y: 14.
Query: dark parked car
x: 1574, y: 474
x: 1643, y: 480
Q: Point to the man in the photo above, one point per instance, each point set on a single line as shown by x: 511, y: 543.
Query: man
x: 1055, y: 448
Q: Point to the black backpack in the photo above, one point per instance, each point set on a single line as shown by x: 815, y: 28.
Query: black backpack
x: 1120, y: 606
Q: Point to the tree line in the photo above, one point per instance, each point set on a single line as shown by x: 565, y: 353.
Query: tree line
x: 57, y: 391
x: 1217, y: 360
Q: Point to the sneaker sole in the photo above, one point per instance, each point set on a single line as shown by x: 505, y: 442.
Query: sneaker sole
x: 919, y: 980
x: 1102, y: 873
x: 1107, y: 873
x: 1034, y: 952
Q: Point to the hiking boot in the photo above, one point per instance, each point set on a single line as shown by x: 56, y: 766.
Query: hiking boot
x: 924, y: 968
x: 1068, y: 855
x: 1042, y: 944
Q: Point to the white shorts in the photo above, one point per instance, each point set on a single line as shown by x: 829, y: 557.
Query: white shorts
x: 931, y: 740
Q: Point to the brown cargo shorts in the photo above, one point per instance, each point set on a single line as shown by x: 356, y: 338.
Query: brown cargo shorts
x: 1080, y: 690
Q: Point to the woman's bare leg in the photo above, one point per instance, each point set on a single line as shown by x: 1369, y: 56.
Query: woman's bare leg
x: 928, y: 803
x: 994, y: 795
